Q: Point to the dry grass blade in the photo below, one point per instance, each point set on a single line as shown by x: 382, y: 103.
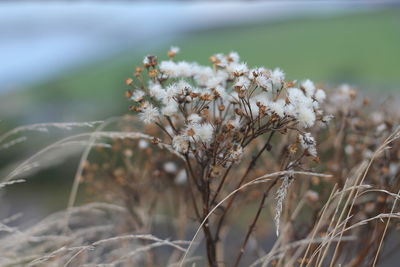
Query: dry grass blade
x: 280, y: 252
x: 384, y: 232
x: 258, y: 180
x: 96, y: 134
x: 11, y: 182
x: 157, y: 242
x: 44, y: 127
x: 383, y: 147
x: 13, y: 142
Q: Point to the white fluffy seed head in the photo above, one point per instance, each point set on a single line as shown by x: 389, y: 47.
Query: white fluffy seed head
x: 234, y: 56
x: 194, y: 118
x: 170, y: 109
x: 170, y: 68
x: 306, y: 117
x: 242, y: 82
x: 156, y: 91
x: 203, y: 132
x: 278, y: 107
x: 308, y: 143
x: 180, y: 143
x: 320, y: 95
x: 277, y: 76
x: 309, y: 87
x: 264, y: 82
x: 149, y: 113
x: 138, y: 95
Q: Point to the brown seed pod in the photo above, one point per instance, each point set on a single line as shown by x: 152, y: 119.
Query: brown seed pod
x: 128, y: 81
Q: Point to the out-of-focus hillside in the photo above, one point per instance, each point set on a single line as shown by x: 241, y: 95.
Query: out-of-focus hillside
x: 361, y: 49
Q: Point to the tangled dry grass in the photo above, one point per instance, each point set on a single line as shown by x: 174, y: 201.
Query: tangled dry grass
x: 215, y: 162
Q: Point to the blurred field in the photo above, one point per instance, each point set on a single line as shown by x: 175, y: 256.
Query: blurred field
x: 360, y: 49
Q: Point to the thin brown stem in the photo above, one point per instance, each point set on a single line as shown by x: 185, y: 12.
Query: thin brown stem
x: 254, y: 222
x: 267, y: 146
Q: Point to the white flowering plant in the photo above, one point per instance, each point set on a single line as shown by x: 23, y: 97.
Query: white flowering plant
x: 211, y: 114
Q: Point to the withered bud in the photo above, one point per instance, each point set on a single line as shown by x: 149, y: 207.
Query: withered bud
x: 315, y: 180
x: 134, y: 108
x: 150, y: 61
x: 221, y: 107
x: 289, y: 84
x: 215, y: 171
x: 238, y: 111
x: 262, y: 109
x: 204, y: 112
x: 229, y: 126
x: 316, y: 160
x: 193, y: 95
x: 283, y: 131
x: 128, y: 94
x: 237, y: 74
x: 274, y: 117
x: 292, y: 148
x: 153, y: 73
x: 214, y: 59
x: 353, y: 93
x: 216, y: 93
x: 155, y: 141
x: 220, y: 138
x: 128, y: 81
x: 206, y: 97
x: 190, y: 132
x: 171, y: 53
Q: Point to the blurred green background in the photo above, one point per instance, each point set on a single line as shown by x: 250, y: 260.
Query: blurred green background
x: 362, y: 49
x: 359, y: 48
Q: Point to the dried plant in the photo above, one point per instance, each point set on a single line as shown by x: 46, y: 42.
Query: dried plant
x: 205, y: 150
x: 211, y: 114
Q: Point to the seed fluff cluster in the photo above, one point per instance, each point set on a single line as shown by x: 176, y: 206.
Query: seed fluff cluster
x: 214, y: 112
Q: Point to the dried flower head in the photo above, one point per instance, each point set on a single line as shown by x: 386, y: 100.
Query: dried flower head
x: 207, y: 109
